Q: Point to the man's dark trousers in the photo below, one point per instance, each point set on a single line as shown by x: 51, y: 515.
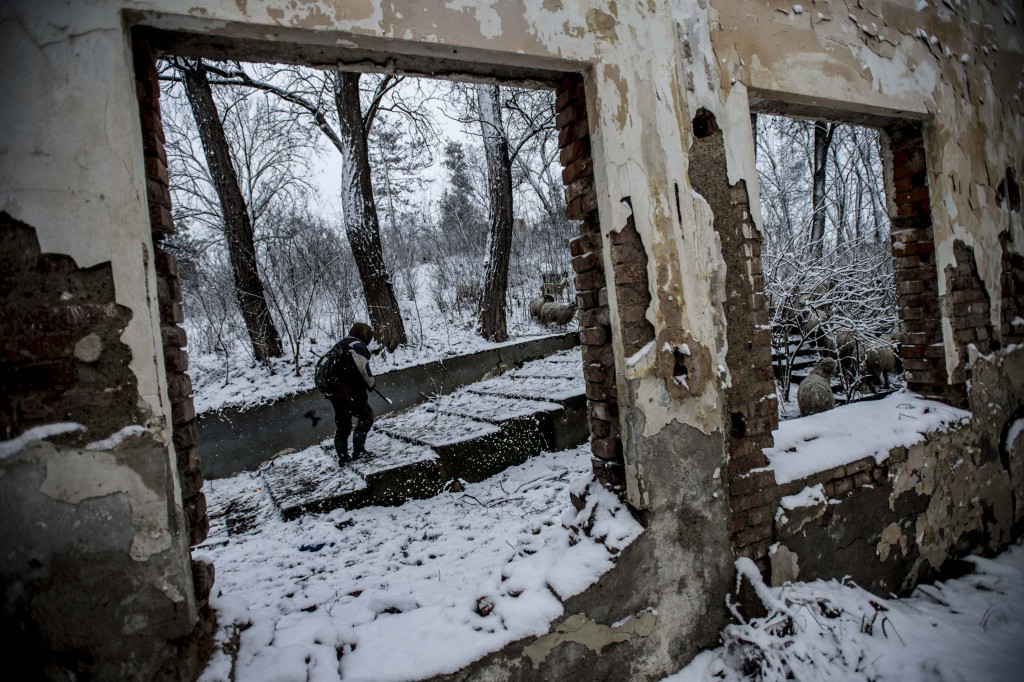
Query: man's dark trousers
x: 347, y: 406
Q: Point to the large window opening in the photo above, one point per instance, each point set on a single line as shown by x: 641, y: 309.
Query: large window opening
x: 368, y: 197
x: 428, y: 198
x: 827, y: 261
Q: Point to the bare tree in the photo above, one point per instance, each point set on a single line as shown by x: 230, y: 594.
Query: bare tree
x: 508, y: 118
x: 491, y: 307
x: 315, y: 94
x: 252, y: 302
x: 823, y: 133
x: 361, y: 223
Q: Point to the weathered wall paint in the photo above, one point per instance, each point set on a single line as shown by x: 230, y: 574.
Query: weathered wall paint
x: 954, y: 64
x: 955, y: 493
x: 71, y: 166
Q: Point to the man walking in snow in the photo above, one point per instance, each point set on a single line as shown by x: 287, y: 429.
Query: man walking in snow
x: 351, y: 380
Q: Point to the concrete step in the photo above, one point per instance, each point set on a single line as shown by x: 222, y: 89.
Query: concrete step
x: 235, y: 440
x: 470, y: 434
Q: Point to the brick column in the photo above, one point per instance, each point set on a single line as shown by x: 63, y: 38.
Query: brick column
x: 966, y: 304
x: 179, y: 385
x: 913, y: 255
x: 751, y: 405
x: 591, y: 292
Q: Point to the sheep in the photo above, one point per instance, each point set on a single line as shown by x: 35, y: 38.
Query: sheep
x: 553, y: 284
x: 557, y: 313
x: 815, y: 392
x: 537, y: 304
x: 879, y: 363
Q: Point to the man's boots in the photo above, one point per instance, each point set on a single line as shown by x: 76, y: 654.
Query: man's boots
x: 359, y: 444
x: 341, y: 448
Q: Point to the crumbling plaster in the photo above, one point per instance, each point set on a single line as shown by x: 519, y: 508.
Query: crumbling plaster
x: 638, y: 117
x: 955, y: 492
x: 638, y: 113
x: 71, y: 153
x: 955, y: 65
x: 90, y: 560
x: 77, y: 177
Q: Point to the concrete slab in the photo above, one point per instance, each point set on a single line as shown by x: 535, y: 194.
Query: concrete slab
x: 313, y: 481
x: 235, y: 440
x: 470, y: 434
x: 436, y: 429
x: 557, y: 389
x: 492, y: 408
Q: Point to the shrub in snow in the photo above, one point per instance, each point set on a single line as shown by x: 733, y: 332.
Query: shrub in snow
x: 804, y: 636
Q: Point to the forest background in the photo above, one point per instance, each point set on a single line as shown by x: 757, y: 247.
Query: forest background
x: 444, y: 216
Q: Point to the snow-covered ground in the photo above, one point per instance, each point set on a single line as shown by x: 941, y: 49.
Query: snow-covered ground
x: 963, y: 630
x: 402, y: 593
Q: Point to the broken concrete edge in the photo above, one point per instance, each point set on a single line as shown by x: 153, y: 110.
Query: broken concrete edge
x: 473, y: 459
x: 913, y: 516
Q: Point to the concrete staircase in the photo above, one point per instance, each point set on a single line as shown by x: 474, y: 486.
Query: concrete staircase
x: 470, y: 434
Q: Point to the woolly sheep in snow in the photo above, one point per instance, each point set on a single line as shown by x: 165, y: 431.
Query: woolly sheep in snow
x: 815, y: 392
x: 557, y: 313
x: 537, y: 304
x: 878, y: 364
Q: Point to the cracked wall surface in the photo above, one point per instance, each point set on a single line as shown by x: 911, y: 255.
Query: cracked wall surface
x: 908, y: 519
x: 96, y: 499
x: 74, y: 166
x: 953, y: 65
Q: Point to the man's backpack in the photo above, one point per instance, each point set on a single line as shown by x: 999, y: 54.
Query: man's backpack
x: 327, y: 376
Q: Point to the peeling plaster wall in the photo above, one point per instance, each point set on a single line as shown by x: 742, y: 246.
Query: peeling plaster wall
x: 955, y: 65
x: 907, y: 520
x: 71, y: 165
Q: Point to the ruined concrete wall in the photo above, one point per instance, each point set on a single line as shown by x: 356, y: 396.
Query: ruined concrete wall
x: 75, y: 167
x: 953, y: 66
x: 96, y: 572
x: 96, y: 581
x: 908, y: 519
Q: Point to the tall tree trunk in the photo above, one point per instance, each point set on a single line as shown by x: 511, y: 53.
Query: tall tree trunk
x: 252, y: 301
x: 822, y: 140
x: 361, y: 224
x: 491, y: 307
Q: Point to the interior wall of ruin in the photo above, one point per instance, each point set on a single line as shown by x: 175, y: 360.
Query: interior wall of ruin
x: 952, y: 65
x: 73, y: 170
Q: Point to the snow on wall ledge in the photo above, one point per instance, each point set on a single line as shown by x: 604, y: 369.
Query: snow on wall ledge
x: 912, y: 486
x: 846, y: 434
